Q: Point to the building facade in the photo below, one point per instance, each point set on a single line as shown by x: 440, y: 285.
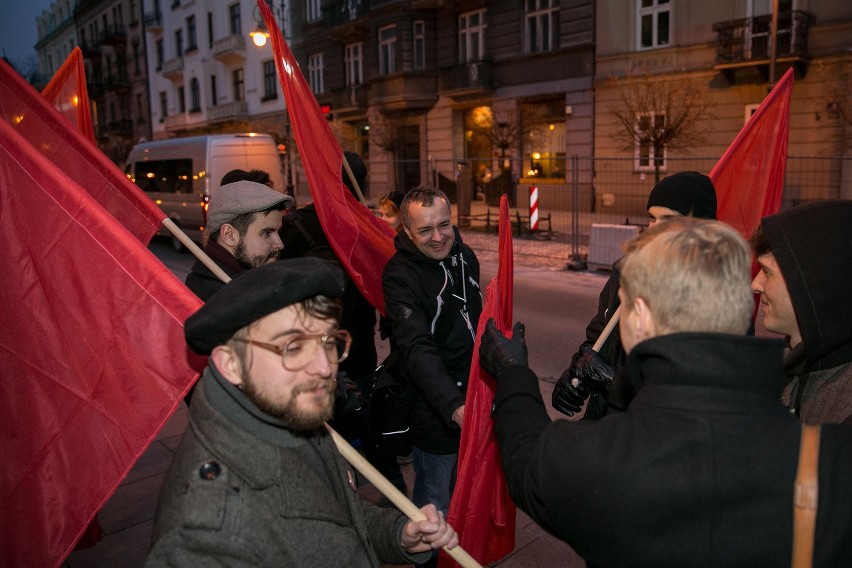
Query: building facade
x: 57, y: 37
x: 432, y: 91
x: 721, y: 52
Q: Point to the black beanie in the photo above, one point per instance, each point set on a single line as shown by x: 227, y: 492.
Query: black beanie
x: 688, y: 193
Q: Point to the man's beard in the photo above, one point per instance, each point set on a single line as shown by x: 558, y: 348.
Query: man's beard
x: 294, y: 416
x: 248, y: 260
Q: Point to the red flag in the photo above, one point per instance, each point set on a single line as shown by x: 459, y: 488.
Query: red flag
x: 749, y: 177
x: 67, y: 93
x: 47, y: 131
x: 362, y: 242
x: 481, y: 510
x: 93, y: 355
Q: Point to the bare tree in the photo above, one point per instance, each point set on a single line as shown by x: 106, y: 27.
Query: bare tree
x: 389, y: 133
x: 660, y: 114
x: 840, y: 93
x: 506, y: 130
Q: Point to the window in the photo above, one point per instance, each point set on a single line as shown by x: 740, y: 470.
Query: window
x: 160, y: 54
x: 191, y: 36
x: 315, y: 73
x: 179, y: 42
x: 194, y: 96
x: 387, y: 50
x: 354, y: 60
x: 164, y: 176
x: 164, y: 105
x: 654, y: 23
x: 136, y: 67
x: 235, y: 19
x: 419, y: 33
x: 542, y: 24
x: 646, y: 154
x: 214, y: 95
x: 312, y: 10
x: 181, y: 99
x: 472, y: 36
x: 239, y: 84
x: 140, y: 109
x: 210, y: 30
x: 750, y: 110
x: 270, y: 85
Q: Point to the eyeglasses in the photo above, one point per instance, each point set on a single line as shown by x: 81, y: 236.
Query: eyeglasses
x: 299, y: 350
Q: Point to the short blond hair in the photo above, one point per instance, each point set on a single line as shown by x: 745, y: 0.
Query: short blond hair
x: 694, y: 275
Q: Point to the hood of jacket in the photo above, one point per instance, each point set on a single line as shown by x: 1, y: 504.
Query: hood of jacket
x: 812, y: 244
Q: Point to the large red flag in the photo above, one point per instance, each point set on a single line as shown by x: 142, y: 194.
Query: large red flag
x: 93, y: 355
x: 362, y: 242
x: 68, y: 94
x: 481, y: 510
x: 49, y: 132
x: 749, y: 177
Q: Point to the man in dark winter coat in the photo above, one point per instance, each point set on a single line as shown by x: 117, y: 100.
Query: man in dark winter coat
x: 256, y: 480
x: 433, y: 300
x: 601, y: 377
x: 243, y: 219
x: 700, y: 469
x: 805, y: 287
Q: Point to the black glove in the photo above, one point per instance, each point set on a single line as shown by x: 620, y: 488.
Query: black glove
x: 593, y: 371
x: 497, y: 352
x: 569, y: 397
x: 348, y: 399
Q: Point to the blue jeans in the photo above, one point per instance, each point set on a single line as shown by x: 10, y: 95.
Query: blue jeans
x: 435, y: 478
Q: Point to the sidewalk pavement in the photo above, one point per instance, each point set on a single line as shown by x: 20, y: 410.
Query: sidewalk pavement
x: 127, y: 518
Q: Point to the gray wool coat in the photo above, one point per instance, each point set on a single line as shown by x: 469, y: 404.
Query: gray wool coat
x: 243, y: 490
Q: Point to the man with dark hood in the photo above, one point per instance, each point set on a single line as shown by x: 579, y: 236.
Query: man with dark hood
x: 601, y: 377
x: 257, y: 480
x: 805, y: 287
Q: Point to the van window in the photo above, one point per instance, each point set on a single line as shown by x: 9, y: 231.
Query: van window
x: 165, y: 176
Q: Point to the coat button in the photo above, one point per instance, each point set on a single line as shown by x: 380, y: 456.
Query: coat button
x: 209, y: 470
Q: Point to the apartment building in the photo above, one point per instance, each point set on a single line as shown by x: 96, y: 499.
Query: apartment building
x: 57, y: 37
x: 722, y: 50
x: 426, y: 88
x: 207, y: 75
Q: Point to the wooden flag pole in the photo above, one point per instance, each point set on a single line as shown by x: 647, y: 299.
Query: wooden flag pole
x: 607, y: 331
x: 392, y: 493
x: 354, y: 182
x: 199, y: 254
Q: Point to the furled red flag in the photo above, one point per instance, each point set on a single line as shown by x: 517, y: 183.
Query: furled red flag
x: 749, y: 177
x: 362, y: 242
x: 481, y: 510
x: 93, y: 356
x: 67, y: 93
x: 45, y: 129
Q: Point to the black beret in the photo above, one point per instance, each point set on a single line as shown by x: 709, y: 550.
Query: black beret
x: 689, y: 193
x: 257, y: 293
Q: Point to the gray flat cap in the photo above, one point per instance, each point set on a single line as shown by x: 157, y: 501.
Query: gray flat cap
x: 240, y: 197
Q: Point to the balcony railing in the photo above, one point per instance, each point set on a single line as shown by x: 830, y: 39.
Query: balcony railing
x: 174, y: 121
x: 114, y: 35
x: 173, y: 68
x: 227, y: 111
x: 233, y: 46
x: 473, y: 76
x: 352, y: 98
x: 342, y: 12
x: 747, y: 40
x: 153, y: 21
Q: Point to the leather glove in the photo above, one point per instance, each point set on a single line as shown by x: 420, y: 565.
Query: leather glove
x: 498, y: 352
x: 593, y: 371
x: 569, y: 397
x: 348, y: 399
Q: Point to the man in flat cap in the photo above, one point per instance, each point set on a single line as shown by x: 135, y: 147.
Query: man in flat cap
x: 243, y: 220
x: 601, y: 378
x: 257, y: 480
x: 805, y: 287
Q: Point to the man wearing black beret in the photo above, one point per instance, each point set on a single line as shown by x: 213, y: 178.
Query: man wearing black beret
x: 257, y: 480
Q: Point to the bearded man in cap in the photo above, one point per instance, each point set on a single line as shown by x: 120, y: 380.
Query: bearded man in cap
x: 601, y: 378
x: 257, y: 480
x: 243, y: 219
x: 805, y: 287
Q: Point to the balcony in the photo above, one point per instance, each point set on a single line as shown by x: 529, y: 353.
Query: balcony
x: 467, y: 80
x: 120, y: 128
x: 115, y: 36
x: 173, y: 69
x: 231, y: 48
x: 153, y: 21
x: 401, y: 92
x: 744, y: 45
x: 90, y: 50
x: 176, y: 121
x: 228, y: 111
x: 346, y: 20
x: 118, y: 82
x: 348, y: 101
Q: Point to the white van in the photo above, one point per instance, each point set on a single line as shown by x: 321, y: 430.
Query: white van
x: 181, y: 174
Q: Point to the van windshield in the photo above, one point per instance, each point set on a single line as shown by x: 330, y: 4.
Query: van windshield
x: 165, y: 176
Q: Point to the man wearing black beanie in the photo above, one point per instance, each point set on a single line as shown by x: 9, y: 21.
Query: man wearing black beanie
x: 805, y: 288
x: 600, y: 376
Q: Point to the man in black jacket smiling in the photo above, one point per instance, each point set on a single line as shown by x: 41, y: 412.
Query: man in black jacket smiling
x: 700, y: 469
x: 433, y: 300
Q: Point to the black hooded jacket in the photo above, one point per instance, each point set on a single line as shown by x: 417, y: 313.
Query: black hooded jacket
x: 434, y: 308
x: 813, y: 247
